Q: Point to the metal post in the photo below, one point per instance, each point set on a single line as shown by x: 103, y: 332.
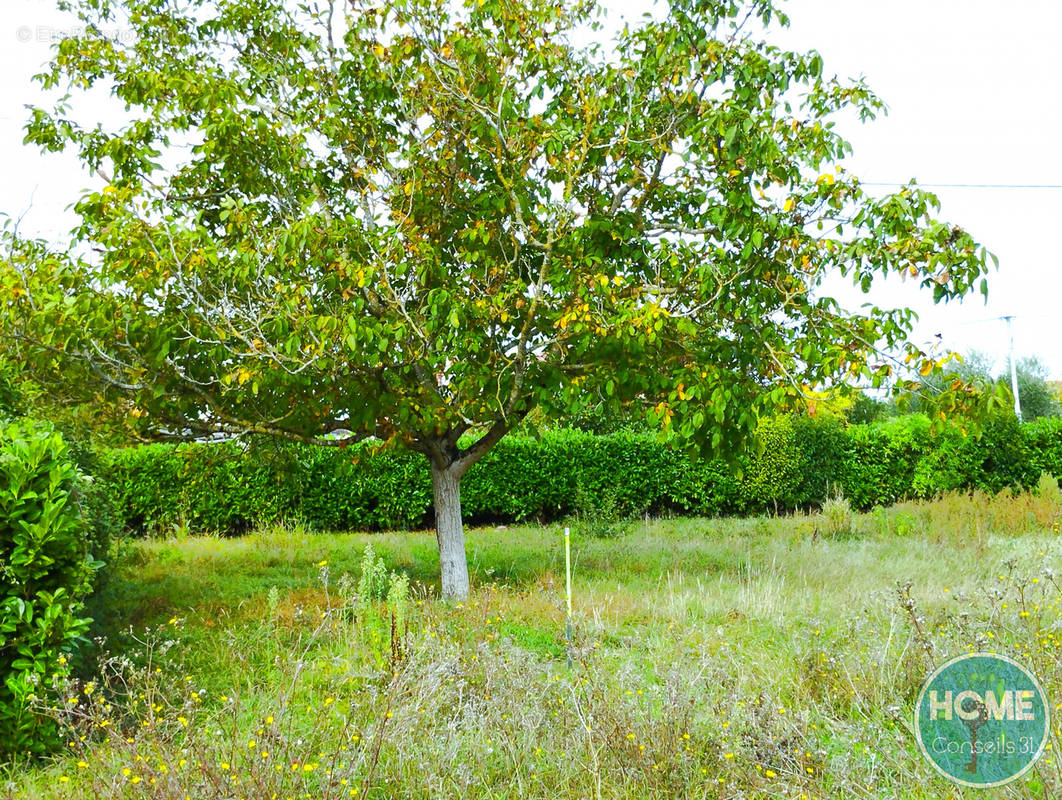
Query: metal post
x: 1013, y: 368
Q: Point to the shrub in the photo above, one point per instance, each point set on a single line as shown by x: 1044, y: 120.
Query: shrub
x: 882, y: 464
x: 214, y: 486
x: 598, y: 515
x: 776, y: 469
x: 1000, y: 458
x: 1044, y: 441
x: 797, y: 460
x: 46, y: 570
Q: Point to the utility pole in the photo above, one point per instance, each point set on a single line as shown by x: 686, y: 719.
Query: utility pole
x: 1013, y: 368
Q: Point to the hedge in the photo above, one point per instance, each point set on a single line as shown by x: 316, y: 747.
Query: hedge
x: 231, y: 486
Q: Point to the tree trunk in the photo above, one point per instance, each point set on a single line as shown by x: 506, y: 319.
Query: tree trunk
x: 453, y: 564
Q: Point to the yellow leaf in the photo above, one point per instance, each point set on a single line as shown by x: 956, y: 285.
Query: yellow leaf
x: 789, y: 203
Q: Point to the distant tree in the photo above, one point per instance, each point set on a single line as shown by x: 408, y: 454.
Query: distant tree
x: 1036, y: 397
x: 1034, y: 390
x: 974, y: 370
x: 976, y: 365
x: 866, y: 409
x: 419, y: 220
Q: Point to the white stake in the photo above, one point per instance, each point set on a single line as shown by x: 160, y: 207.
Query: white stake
x: 568, y: 589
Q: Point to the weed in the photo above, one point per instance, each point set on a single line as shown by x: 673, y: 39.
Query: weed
x: 837, y: 516
x: 599, y: 515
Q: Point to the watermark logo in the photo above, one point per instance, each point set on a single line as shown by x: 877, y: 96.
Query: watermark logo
x: 982, y: 720
x: 50, y: 34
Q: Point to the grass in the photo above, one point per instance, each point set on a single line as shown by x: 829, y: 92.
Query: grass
x: 773, y: 658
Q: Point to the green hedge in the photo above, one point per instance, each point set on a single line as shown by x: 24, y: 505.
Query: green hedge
x: 47, y: 567
x: 230, y: 486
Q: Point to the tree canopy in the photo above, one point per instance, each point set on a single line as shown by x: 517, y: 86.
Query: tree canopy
x: 420, y: 220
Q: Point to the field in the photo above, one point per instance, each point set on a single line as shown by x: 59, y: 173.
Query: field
x: 711, y: 658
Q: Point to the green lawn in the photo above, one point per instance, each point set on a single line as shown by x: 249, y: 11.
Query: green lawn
x: 711, y: 658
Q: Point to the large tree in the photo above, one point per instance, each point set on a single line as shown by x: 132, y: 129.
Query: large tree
x: 418, y: 220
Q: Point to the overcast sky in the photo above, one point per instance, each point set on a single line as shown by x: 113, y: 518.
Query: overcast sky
x: 974, y: 90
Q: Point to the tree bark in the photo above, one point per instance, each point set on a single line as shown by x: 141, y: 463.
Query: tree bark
x: 449, y: 531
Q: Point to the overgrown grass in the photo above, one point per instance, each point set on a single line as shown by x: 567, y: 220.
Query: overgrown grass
x: 712, y: 658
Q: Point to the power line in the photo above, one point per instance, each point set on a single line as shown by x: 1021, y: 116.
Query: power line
x: 966, y: 185
x: 999, y: 318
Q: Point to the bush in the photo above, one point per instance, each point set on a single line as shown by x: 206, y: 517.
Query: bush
x: 47, y: 567
x: 1001, y: 458
x: 883, y: 460
x: 797, y: 461
x: 1044, y: 440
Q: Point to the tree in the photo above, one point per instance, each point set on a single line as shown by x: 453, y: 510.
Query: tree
x: 417, y: 221
x: 866, y: 409
x: 1034, y: 391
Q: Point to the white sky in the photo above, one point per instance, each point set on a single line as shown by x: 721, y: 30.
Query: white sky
x: 974, y: 90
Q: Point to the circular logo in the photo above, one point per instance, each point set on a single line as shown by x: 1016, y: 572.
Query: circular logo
x: 982, y: 720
